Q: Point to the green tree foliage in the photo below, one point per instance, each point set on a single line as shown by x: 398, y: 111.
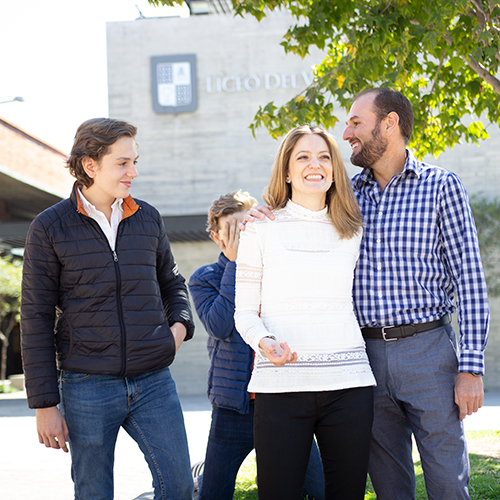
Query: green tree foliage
x: 443, y: 55
x: 487, y: 218
x: 10, y: 304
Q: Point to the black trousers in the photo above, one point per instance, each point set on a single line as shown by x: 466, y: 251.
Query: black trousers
x: 284, y: 425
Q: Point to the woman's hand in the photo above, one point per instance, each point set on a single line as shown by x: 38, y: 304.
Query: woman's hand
x: 278, y: 354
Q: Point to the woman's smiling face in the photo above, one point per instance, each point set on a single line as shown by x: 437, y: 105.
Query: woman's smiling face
x: 310, y: 171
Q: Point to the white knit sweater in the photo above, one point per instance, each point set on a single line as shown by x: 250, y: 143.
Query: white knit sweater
x: 294, y: 281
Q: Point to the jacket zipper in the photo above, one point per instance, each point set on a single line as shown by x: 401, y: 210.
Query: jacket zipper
x: 123, y: 335
x: 120, y: 312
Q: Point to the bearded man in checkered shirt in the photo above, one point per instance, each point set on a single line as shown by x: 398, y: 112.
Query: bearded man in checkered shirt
x: 419, y: 263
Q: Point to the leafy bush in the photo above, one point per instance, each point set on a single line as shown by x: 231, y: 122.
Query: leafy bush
x: 10, y: 303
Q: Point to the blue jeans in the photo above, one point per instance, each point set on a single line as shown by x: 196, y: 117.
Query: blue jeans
x: 230, y: 441
x: 415, y: 394
x: 148, y: 408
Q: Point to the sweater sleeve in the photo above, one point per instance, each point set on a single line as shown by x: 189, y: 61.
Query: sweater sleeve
x: 213, y: 297
x: 172, y: 285
x: 249, y: 266
x: 40, y: 294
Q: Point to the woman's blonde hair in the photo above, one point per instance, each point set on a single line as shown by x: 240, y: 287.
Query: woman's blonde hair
x: 340, y: 200
x: 228, y: 204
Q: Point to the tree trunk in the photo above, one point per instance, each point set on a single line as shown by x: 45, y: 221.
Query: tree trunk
x: 4, y: 337
x: 3, y: 357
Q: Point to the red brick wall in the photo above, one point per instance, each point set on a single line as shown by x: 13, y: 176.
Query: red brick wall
x: 34, y: 159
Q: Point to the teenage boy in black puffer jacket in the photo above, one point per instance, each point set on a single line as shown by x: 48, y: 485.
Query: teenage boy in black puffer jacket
x: 103, y: 303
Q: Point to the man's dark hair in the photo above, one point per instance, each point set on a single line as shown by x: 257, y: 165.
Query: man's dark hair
x: 389, y: 100
x: 93, y: 139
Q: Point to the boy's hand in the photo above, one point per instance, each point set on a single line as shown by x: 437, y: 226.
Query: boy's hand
x: 179, y: 332
x: 230, y: 239
x: 52, y: 429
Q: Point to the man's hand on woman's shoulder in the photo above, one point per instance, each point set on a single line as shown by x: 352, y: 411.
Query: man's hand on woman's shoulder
x: 260, y: 213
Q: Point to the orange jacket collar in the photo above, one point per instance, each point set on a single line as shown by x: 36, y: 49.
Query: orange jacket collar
x: 130, y: 207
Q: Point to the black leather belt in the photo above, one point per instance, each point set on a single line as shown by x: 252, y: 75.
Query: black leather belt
x: 402, y: 331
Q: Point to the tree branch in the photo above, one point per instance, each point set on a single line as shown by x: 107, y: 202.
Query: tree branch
x: 386, y: 7
x: 479, y: 13
x: 483, y: 73
x: 495, y: 29
x: 438, y: 70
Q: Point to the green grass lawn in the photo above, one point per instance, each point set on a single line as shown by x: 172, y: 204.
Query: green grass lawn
x: 484, y: 483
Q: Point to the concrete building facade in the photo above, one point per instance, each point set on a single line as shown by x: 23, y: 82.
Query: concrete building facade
x: 192, y: 86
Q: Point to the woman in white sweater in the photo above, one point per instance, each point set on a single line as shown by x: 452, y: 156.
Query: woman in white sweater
x: 294, y: 308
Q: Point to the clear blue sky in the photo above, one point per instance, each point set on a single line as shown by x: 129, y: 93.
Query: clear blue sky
x: 53, y: 54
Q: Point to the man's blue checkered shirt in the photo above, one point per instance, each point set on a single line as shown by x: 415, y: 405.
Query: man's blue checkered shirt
x: 420, y: 252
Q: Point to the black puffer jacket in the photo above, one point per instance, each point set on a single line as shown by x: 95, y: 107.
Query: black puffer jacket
x: 109, y: 308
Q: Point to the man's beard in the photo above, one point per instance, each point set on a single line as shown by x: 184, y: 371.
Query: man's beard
x: 371, y: 151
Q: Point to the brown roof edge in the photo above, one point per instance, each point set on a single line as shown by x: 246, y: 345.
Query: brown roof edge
x: 31, y: 137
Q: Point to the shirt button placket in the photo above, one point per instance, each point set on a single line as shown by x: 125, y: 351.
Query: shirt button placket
x: 379, y: 252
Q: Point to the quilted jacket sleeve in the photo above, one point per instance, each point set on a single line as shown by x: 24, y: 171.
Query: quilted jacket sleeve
x: 172, y: 285
x: 40, y: 292
x: 213, y: 294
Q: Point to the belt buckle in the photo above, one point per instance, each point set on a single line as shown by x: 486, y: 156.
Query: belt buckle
x: 384, y: 334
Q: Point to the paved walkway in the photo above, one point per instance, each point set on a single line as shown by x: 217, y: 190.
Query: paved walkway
x: 29, y: 471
